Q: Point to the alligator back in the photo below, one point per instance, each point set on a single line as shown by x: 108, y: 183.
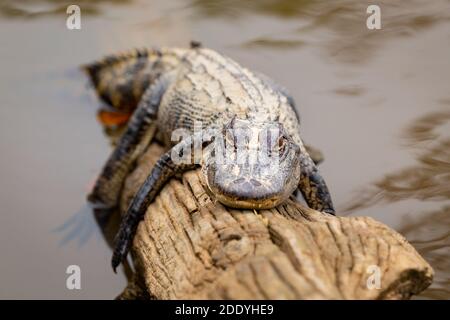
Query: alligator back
x: 209, y: 86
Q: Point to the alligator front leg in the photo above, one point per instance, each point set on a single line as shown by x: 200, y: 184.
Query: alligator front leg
x: 139, y: 133
x: 313, y: 186
x: 164, y: 169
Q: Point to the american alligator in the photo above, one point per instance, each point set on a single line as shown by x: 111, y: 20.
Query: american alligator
x: 172, y: 88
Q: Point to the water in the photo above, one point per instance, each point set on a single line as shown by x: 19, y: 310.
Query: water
x: 377, y: 103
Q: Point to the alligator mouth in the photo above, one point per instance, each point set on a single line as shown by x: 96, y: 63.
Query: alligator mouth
x: 266, y: 203
x: 242, y: 202
x: 247, y: 194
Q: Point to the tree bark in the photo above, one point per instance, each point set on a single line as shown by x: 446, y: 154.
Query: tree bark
x: 188, y: 247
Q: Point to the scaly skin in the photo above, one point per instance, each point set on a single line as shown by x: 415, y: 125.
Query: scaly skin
x: 121, y: 80
x: 178, y: 88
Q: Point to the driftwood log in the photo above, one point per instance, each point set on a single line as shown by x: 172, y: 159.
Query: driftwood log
x: 188, y: 247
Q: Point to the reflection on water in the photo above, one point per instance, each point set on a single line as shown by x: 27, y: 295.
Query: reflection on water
x: 428, y: 180
x: 431, y: 237
x: 79, y: 228
x: 25, y: 9
x: 348, y: 41
x: 358, y: 90
x: 272, y: 43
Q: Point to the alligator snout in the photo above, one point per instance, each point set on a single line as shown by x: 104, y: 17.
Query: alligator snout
x: 251, y: 189
x: 248, y: 183
x: 245, y: 191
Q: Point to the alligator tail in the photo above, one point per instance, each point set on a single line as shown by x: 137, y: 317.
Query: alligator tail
x: 121, y: 79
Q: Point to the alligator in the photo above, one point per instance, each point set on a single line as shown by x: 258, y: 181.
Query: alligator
x: 191, y: 88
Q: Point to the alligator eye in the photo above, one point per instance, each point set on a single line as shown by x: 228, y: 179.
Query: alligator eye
x: 282, y: 148
x: 281, y: 142
x: 228, y: 134
x: 282, y: 145
x: 230, y: 140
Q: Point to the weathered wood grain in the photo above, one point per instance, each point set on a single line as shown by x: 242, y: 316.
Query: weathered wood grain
x: 189, y: 247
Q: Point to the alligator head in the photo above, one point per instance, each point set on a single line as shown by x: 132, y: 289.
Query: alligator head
x: 252, y: 165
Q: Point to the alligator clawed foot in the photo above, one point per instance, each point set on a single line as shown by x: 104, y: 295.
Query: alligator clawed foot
x: 122, y: 245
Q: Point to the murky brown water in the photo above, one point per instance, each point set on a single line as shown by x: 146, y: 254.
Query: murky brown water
x: 377, y: 103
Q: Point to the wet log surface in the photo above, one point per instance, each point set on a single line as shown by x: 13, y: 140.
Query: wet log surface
x: 188, y: 247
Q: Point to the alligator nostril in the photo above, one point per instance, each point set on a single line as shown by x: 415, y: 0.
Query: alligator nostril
x: 240, y: 180
x: 255, y: 182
